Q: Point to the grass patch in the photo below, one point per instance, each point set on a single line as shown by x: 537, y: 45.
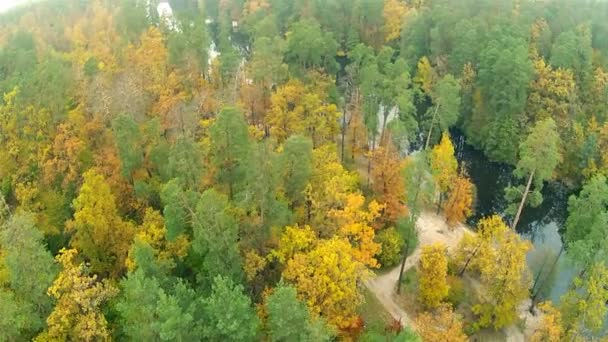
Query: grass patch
x: 372, y: 312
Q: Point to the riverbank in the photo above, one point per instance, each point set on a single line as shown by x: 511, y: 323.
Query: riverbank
x: 433, y: 229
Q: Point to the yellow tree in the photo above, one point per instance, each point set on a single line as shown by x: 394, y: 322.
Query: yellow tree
x: 97, y: 229
x: 387, y: 182
x: 476, y: 251
x: 63, y: 160
x: 425, y: 75
x: 320, y: 119
x: 444, y: 165
x: 329, y: 185
x: 77, y: 315
x: 354, y: 222
x: 433, y: 267
x: 441, y: 325
x: 394, y: 14
x: 459, y: 204
x: 153, y: 232
x: 93, y: 37
x: 293, y: 240
x: 506, y: 281
x: 550, y: 329
x: 149, y: 60
x: 285, y: 110
x: 583, y: 307
x: 551, y: 93
x: 327, y: 279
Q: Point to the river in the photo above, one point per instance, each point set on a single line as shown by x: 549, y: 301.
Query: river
x: 540, y: 225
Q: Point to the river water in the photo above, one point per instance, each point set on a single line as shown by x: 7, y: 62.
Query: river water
x: 540, y: 225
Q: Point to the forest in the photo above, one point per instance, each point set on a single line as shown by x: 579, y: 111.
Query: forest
x: 291, y: 170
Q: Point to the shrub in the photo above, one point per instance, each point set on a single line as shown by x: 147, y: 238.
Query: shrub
x: 392, y: 244
x: 456, y: 294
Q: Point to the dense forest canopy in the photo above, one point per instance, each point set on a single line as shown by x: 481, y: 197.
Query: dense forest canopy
x: 238, y: 170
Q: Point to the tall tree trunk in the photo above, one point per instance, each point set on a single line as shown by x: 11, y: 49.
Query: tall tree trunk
x: 466, y: 264
x: 428, y: 137
x: 343, y: 134
x: 536, y: 293
x: 369, y: 162
x: 523, y: 200
x: 403, y: 260
x: 384, y: 118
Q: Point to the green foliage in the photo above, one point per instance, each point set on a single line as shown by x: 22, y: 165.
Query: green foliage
x: 289, y: 319
x: 310, y: 47
x: 229, y: 148
x: 539, y: 155
x: 405, y: 335
x: 184, y: 162
x: 215, y: 238
x: 296, y: 167
x: 587, y: 224
x: 457, y: 293
x: 128, y: 137
x: 392, y: 245
x: 503, y: 77
x: 234, y: 322
x: 30, y: 270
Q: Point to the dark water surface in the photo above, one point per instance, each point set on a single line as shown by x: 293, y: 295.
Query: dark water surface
x: 540, y: 225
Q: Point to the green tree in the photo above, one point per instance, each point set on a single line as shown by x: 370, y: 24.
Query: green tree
x: 310, y: 47
x: 128, y: 142
x: 234, y: 322
x: 446, y: 98
x: 586, y: 234
x: 419, y: 191
x: 215, y: 239
x: 229, y: 148
x: 573, y: 50
x: 27, y: 269
x: 296, y: 167
x: 149, y: 313
x: 504, y: 74
x: 539, y: 154
x: 184, y: 162
x: 289, y: 318
x: 583, y: 308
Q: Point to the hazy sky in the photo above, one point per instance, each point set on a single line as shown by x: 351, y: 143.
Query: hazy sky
x: 6, y: 4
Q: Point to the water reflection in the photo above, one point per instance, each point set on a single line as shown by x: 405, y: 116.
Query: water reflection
x: 540, y: 225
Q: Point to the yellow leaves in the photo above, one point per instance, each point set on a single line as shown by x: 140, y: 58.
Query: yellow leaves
x: 150, y: 60
x: 499, y: 254
x: 77, y: 316
x: 550, y: 93
x: 387, y: 182
x: 550, y: 329
x: 443, y: 163
x: 329, y: 185
x: 394, y: 14
x: 354, y: 224
x: 94, y: 36
x: 294, y: 240
x: 153, y: 232
x: 98, y: 231
x: 441, y: 325
x: 459, y: 205
x: 326, y: 279
x: 285, y: 111
x: 299, y: 109
x: 433, y: 275
x: 254, y: 263
x: 425, y: 75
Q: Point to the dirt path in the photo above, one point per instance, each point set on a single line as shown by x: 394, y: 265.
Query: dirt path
x: 431, y: 229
